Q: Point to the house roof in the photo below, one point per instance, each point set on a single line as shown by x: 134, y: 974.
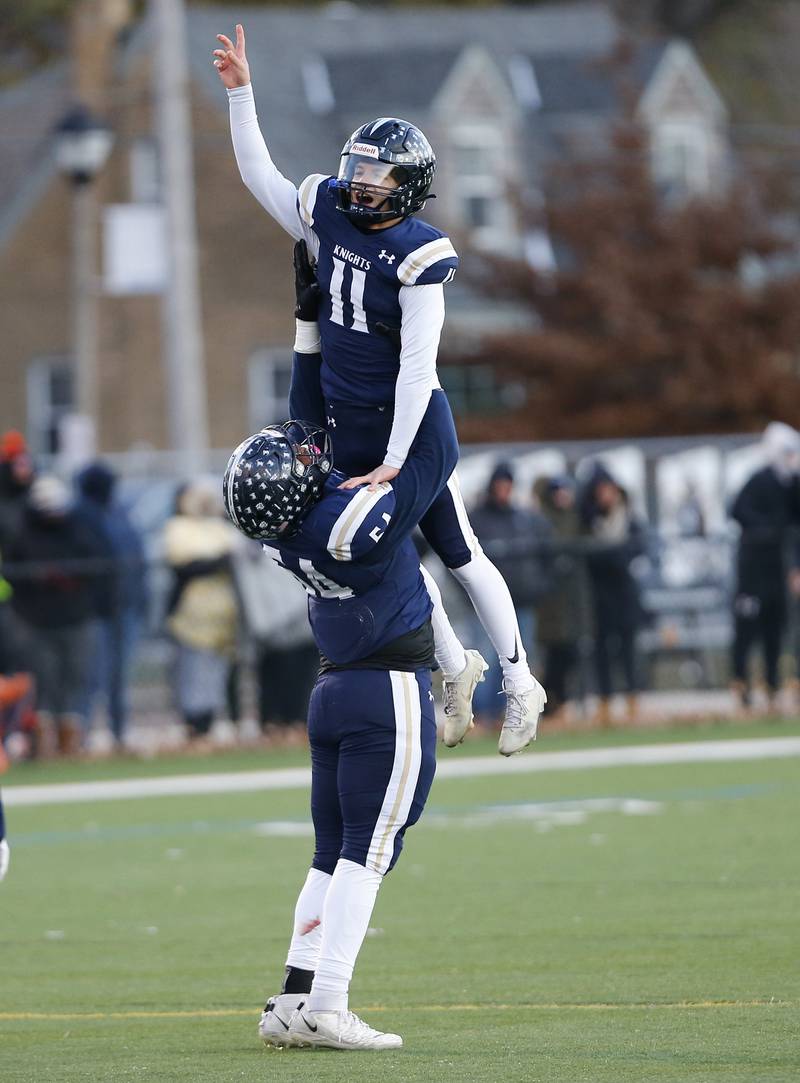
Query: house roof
x: 377, y: 59
x: 574, y: 83
x: 390, y: 82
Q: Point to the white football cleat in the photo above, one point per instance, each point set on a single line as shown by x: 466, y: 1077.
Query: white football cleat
x: 273, y: 1027
x: 5, y: 857
x: 338, y: 1030
x: 523, y: 707
x: 457, y: 695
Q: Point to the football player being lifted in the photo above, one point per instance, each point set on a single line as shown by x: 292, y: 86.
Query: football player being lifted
x: 371, y: 723
x: 372, y: 360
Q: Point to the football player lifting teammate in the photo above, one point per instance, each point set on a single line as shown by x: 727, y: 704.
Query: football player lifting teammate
x: 371, y: 722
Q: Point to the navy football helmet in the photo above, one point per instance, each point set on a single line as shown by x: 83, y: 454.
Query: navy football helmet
x: 274, y: 478
x: 385, y: 171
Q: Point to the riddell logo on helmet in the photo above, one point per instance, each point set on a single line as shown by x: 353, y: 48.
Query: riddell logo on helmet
x: 365, y: 148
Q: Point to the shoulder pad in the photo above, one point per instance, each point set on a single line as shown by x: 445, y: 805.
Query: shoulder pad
x: 435, y: 261
x: 307, y: 196
x: 362, y: 522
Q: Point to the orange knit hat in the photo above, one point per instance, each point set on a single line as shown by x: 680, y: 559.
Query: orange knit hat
x: 12, y: 444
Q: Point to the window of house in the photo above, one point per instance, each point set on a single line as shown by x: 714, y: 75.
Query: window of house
x: 269, y: 376
x: 51, y: 396
x: 481, y: 171
x: 478, y: 212
x: 680, y: 156
x: 473, y: 160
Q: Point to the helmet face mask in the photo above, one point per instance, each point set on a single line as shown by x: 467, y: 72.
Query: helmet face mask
x: 385, y: 172
x: 371, y: 187
x: 274, y: 478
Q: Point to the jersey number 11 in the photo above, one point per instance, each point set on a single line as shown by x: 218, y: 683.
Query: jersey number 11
x: 358, y: 281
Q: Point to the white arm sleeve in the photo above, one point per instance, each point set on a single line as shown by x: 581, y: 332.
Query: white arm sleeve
x: 273, y: 191
x: 420, y: 331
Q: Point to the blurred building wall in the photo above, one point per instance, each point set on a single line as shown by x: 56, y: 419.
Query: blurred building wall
x: 246, y: 286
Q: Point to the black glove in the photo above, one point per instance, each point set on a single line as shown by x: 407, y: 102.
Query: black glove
x: 306, y: 287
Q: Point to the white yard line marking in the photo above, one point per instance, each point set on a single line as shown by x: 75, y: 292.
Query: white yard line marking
x: 294, y: 778
x: 544, y: 814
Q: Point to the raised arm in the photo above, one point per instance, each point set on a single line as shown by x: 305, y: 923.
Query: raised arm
x: 276, y: 194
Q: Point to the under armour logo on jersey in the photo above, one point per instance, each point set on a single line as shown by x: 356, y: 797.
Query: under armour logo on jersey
x: 430, y: 696
x: 383, y: 254
x: 330, y: 422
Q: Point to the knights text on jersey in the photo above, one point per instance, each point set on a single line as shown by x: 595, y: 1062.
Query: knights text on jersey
x: 354, y: 609
x: 361, y: 273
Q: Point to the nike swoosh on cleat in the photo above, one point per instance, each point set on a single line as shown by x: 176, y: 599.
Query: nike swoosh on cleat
x: 515, y: 659
x: 313, y: 1029
x: 284, y: 1025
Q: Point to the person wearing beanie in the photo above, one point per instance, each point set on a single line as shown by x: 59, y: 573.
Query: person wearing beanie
x: 614, y: 538
x: 203, y: 610
x: 122, y: 594
x: 16, y: 475
x: 50, y: 562
x: 767, y: 509
x: 516, y: 540
x: 564, y: 620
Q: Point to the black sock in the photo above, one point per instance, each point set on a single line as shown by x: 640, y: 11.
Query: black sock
x: 296, y: 980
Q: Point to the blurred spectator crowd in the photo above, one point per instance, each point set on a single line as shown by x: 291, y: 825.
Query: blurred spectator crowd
x: 82, y: 590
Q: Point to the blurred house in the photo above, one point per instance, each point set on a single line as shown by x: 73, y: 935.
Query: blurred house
x: 501, y: 93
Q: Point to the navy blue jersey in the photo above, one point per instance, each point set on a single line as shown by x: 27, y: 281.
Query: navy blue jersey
x: 355, y: 607
x: 361, y: 273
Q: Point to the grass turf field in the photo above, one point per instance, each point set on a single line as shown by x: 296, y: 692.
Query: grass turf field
x: 612, y: 924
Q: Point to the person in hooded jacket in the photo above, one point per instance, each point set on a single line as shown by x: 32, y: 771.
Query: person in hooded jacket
x: 275, y: 615
x: 50, y: 563
x: 122, y: 594
x: 563, y: 617
x: 16, y: 475
x: 768, y: 511
x: 615, y: 537
x: 203, y: 610
x: 516, y: 540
